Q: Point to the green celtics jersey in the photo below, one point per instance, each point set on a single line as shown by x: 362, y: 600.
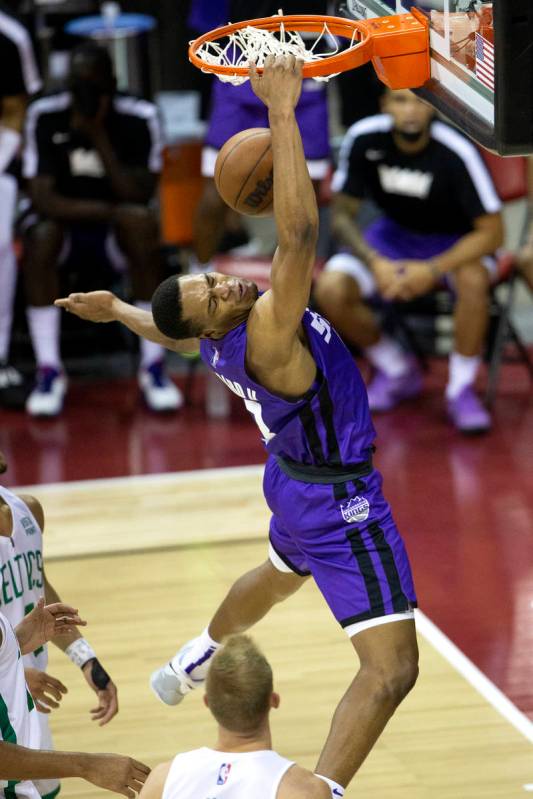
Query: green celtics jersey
x: 18, y: 718
x: 21, y: 570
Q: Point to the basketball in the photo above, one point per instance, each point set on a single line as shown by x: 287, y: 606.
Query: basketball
x: 243, y: 172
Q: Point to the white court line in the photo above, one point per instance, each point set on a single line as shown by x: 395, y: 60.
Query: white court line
x: 473, y: 675
x: 136, y: 479
x: 424, y: 625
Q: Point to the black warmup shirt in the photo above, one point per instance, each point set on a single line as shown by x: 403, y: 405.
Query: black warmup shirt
x: 442, y: 189
x: 18, y: 69
x: 52, y: 148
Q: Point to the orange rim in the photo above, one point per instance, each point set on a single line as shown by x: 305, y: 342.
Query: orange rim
x: 354, y: 56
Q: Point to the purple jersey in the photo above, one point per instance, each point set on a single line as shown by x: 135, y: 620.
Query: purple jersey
x: 329, y: 426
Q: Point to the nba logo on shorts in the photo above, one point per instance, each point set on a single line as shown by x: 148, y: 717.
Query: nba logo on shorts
x: 355, y: 510
x: 223, y: 773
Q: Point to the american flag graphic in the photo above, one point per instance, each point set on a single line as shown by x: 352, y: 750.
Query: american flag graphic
x: 485, y: 61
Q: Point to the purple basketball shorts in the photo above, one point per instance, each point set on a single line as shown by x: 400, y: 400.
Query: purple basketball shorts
x: 399, y: 244
x: 346, y: 538
x: 236, y: 108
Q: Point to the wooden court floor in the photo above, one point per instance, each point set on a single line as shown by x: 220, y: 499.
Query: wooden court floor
x: 146, y: 561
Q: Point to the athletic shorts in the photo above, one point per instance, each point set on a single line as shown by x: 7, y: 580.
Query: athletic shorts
x: 346, y: 538
x: 398, y: 243
x: 236, y: 108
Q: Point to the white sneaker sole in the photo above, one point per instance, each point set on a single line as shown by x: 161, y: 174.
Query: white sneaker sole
x: 168, y: 694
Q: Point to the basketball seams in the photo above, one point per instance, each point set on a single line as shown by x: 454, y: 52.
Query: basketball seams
x: 261, y: 132
x: 250, y: 173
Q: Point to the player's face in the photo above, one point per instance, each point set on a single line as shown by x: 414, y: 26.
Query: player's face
x: 216, y: 303
x: 410, y: 114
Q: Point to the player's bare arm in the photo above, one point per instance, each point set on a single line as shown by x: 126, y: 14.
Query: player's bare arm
x: 484, y: 239
x: 66, y: 209
x: 153, y: 787
x: 104, y: 306
x: 116, y: 773
x: 276, y: 354
x: 299, y: 783
x: 346, y: 230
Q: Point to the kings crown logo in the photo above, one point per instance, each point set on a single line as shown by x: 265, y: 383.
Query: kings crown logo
x: 355, y: 510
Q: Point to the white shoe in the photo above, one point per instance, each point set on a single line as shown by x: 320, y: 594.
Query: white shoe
x: 159, y: 392
x: 171, y: 683
x: 47, y: 397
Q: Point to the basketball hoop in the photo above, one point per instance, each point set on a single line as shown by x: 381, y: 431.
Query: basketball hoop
x: 398, y: 47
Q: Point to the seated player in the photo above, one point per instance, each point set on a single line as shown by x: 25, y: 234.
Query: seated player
x: 92, y: 158
x: 239, y: 694
x: 236, y: 108
x: 441, y: 223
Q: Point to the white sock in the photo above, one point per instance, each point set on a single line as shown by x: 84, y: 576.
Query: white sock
x: 196, y: 661
x: 44, y: 331
x: 462, y: 373
x: 336, y: 789
x: 8, y: 279
x: 388, y: 357
x: 150, y: 351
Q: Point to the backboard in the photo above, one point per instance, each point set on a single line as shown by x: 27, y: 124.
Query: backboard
x: 481, y: 65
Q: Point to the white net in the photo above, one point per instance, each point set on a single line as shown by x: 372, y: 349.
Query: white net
x: 248, y: 44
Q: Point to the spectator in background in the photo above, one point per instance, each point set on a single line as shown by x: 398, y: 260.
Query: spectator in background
x: 19, y: 78
x: 236, y: 108
x: 441, y: 222
x: 92, y: 158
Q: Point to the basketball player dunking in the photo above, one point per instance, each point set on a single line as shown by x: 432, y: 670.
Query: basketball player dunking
x: 330, y: 519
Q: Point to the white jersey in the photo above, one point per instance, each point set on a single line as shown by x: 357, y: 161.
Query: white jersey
x: 21, y: 570
x: 18, y: 718
x: 207, y: 774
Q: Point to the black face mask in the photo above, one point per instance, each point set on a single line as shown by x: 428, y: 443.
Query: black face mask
x: 87, y: 97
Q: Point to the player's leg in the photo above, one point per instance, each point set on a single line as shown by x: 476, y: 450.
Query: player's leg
x: 136, y: 233
x: 471, y: 283
x: 388, y: 656
x: 342, y: 292
x: 43, y: 245
x: 10, y: 378
x: 249, y: 599
x: 358, y: 560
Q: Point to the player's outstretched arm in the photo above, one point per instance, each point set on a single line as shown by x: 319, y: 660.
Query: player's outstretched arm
x: 104, y: 306
x: 295, y: 208
x: 116, y: 773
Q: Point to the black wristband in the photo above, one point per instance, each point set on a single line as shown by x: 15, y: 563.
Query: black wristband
x: 99, y: 675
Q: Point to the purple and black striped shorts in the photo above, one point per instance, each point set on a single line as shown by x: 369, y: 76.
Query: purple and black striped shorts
x: 346, y: 538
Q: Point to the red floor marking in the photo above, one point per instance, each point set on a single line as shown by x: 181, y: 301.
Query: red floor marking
x: 465, y: 506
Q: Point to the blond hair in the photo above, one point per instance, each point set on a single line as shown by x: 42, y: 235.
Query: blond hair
x: 239, y: 685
